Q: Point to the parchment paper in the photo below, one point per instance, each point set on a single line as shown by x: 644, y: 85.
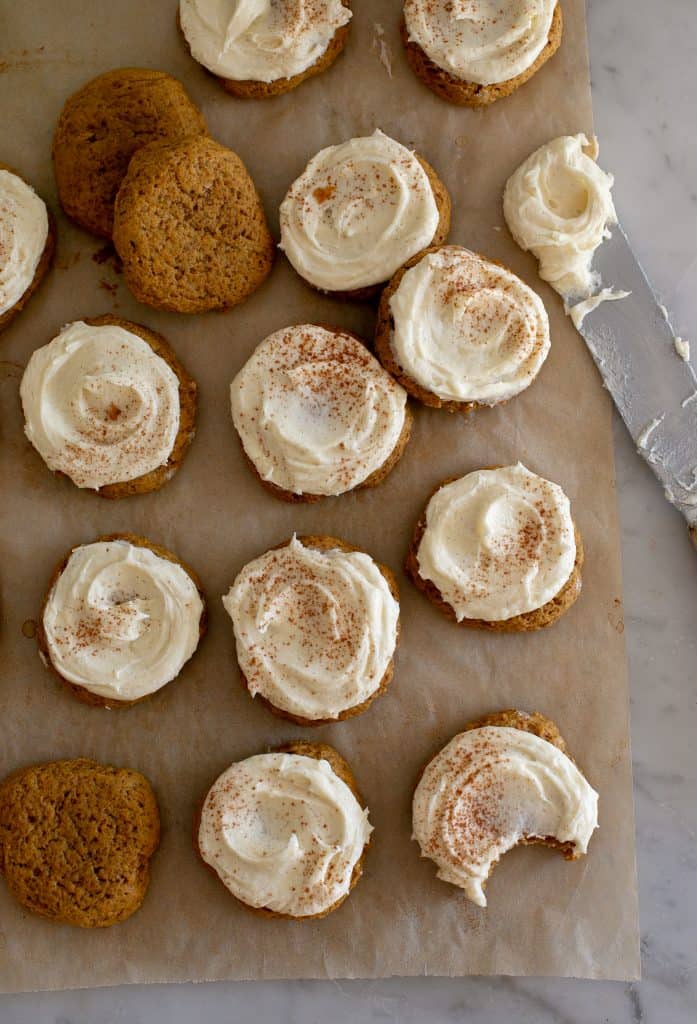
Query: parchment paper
x: 545, y: 916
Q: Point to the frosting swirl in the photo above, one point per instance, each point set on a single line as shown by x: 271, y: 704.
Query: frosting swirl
x: 498, y: 543
x: 23, y: 234
x: 467, y: 329
x: 120, y: 620
x: 558, y: 204
x: 283, y: 831
x: 490, y: 788
x: 260, y: 40
x: 481, y: 41
x: 315, y: 629
x: 100, y: 405
x: 357, y: 213
x: 315, y: 411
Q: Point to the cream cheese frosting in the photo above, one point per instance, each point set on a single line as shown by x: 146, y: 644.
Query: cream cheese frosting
x: 481, y: 41
x: 23, y: 234
x: 498, y: 543
x: 100, y: 405
x: 260, y: 40
x: 467, y: 329
x: 357, y: 213
x: 120, y: 620
x: 284, y: 832
x: 315, y: 411
x: 558, y: 204
x: 490, y: 788
x: 315, y: 629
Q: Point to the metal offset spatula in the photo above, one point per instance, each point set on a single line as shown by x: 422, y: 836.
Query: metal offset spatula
x: 654, y: 389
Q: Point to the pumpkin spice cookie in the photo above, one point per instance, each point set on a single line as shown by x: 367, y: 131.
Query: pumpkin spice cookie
x: 475, y: 59
x: 358, y: 212
x: 286, y: 832
x: 317, y: 415
x: 27, y: 243
x: 121, y: 618
x: 268, y: 51
x: 498, y: 550
x: 459, y: 331
x: 190, y: 229
x: 100, y: 128
x: 76, y: 839
x: 316, y: 627
x: 107, y: 404
x: 505, y: 781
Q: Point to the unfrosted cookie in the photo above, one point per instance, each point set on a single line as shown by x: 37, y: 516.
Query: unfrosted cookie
x: 316, y: 625
x: 498, y: 550
x: 100, y: 128
x: 459, y: 331
x: 76, y: 838
x: 27, y: 243
x: 190, y: 228
x: 286, y: 832
x: 358, y: 212
x: 108, y: 404
x: 483, y: 56
x: 269, y: 53
x: 317, y: 415
x: 504, y: 781
x: 120, y: 619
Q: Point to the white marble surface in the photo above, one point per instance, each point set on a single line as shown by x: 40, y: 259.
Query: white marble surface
x: 643, y: 79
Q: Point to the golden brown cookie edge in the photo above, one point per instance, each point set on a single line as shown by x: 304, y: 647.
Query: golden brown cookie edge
x: 145, y: 856
x: 81, y: 693
x: 99, y: 222
x: 340, y: 767
x: 324, y: 542
x: 538, y: 618
x: 42, y: 267
x: 470, y: 94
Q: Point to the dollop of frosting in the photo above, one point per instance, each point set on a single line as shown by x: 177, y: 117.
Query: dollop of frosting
x: 558, y: 204
x: 490, y: 788
x: 315, y: 411
x: 120, y: 620
x: 260, y: 40
x: 481, y: 41
x: 357, y: 213
x: 315, y: 629
x: 498, y: 543
x: 23, y: 234
x: 284, y: 832
x: 467, y: 329
x: 100, y: 405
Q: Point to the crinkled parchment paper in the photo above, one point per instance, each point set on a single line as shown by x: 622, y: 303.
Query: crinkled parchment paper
x: 545, y: 916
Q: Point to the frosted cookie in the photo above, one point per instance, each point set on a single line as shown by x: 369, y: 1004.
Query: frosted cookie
x: 76, y: 839
x: 266, y: 47
x: 459, y: 331
x: 27, y: 243
x: 506, y: 780
x: 558, y: 205
x: 358, y: 212
x: 107, y: 404
x: 100, y: 128
x: 121, y: 618
x: 316, y: 627
x: 498, y: 550
x: 286, y: 832
x: 317, y: 415
x: 189, y: 227
x: 473, y: 54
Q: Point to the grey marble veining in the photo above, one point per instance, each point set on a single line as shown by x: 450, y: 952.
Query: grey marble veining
x: 642, y: 65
